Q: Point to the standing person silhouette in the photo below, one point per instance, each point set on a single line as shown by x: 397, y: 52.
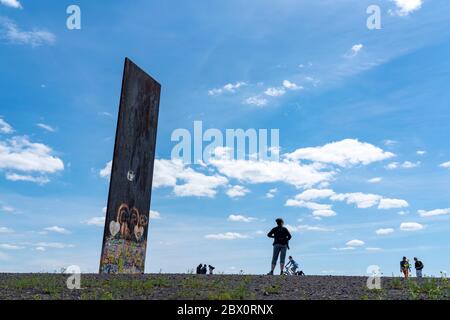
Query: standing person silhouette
x: 281, y: 237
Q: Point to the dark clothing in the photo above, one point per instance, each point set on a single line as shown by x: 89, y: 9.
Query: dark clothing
x: 404, y: 264
x: 280, y: 236
x: 418, y: 265
x: 199, y: 269
x: 203, y: 270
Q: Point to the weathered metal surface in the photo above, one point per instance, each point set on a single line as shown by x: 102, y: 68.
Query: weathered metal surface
x: 127, y: 215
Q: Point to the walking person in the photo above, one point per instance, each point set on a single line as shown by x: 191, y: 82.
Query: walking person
x: 281, y: 237
x: 418, y: 265
x: 405, y: 268
x: 199, y: 269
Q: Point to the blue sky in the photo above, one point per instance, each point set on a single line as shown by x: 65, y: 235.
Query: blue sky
x: 363, y: 119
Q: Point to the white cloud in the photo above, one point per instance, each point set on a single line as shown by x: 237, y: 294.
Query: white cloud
x: 405, y: 7
x: 237, y: 191
x: 4, y: 230
x: 240, y: 218
x: 421, y: 152
x: 20, y: 177
x: 411, y: 226
x: 355, y: 49
x: 5, y: 127
x: 375, y: 180
x: 271, y: 193
x: 432, y: 213
x: 404, y: 165
x: 46, y: 127
x: 386, y: 204
x: 226, y: 236
x: 275, y: 92
x: 11, y: 3
x: 106, y: 171
x: 20, y: 154
x: 384, y: 231
x: 306, y: 228
x: 355, y: 243
x: 57, y: 229
x: 345, y: 153
x: 169, y: 173
x: 255, y: 101
x: 324, y: 213
x: 11, y: 32
x: 53, y: 245
x: 445, y: 165
x: 155, y: 215
x: 307, y: 204
x: 362, y: 200
x: 228, y: 88
x: 7, y: 246
x: 96, y: 221
x: 291, y: 86
x: 313, y: 194
x: 264, y: 171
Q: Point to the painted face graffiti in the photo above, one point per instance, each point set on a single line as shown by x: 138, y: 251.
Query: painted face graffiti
x: 124, y: 250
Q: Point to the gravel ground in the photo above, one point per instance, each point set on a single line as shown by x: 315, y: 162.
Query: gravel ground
x: 217, y: 287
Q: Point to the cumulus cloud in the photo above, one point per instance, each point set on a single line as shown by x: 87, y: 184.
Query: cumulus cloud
x: 421, y: 152
x: 271, y: 193
x: 240, y: 218
x: 386, y: 203
x: 361, y: 200
x: 313, y: 194
x: 20, y: 154
x: 404, y: 165
x: 405, y: 7
x: 324, y: 213
x: 275, y: 92
x: 226, y: 236
x: 5, y: 127
x: 265, y: 171
x: 185, y: 181
x: 345, y: 153
x: 12, y: 33
x: 384, y: 231
x: 237, y: 191
x: 355, y: 243
x: 155, y: 215
x: 228, y: 88
x: 291, y: 86
x: 445, y: 165
x: 20, y: 177
x: 57, y: 229
x: 432, y: 213
x: 11, y: 3
x: 411, y: 226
